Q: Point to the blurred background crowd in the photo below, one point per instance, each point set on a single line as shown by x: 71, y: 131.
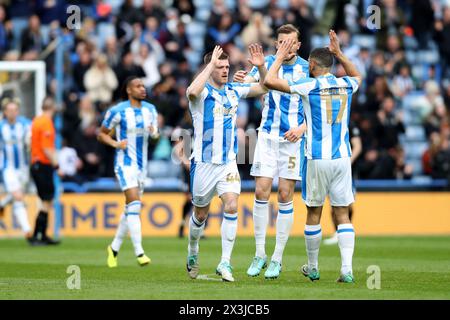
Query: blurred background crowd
x: 402, y: 109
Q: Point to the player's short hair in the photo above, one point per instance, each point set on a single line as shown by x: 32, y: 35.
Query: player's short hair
x: 322, y: 56
x: 8, y: 100
x: 125, y: 85
x: 48, y: 103
x: 287, y: 29
x: 207, y: 58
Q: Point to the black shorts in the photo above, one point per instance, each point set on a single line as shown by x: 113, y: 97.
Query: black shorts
x: 43, y: 179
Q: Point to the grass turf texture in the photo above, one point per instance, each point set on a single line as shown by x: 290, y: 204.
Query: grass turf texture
x: 411, y: 268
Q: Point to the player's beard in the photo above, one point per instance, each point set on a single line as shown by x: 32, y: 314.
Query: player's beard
x: 138, y: 98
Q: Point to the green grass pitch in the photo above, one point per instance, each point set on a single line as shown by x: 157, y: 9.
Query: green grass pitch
x: 411, y: 268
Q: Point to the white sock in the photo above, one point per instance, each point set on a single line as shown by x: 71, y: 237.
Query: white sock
x: 121, y: 233
x: 285, y: 219
x: 260, y: 221
x: 346, y: 240
x: 133, y: 210
x: 195, y: 231
x: 20, y: 212
x: 228, y: 231
x: 313, y: 236
x: 6, y: 200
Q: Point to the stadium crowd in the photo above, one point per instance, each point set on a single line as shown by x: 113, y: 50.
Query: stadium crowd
x: 403, y: 103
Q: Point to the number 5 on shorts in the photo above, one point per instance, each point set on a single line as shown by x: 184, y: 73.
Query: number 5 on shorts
x: 291, y: 163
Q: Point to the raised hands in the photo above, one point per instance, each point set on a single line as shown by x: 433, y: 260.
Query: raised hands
x: 216, y: 55
x: 239, y: 76
x: 284, y: 49
x: 256, y: 55
x: 334, y: 46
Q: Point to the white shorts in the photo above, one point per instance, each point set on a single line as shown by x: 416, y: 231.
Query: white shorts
x: 16, y: 179
x: 274, y: 156
x: 327, y: 177
x: 130, y: 177
x: 209, y: 179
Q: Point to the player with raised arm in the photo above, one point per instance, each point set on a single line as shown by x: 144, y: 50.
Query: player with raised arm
x: 15, y: 134
x: 327, y: 170
x: 279, y: 151
x: 213, y: 102
x: 133, y: 121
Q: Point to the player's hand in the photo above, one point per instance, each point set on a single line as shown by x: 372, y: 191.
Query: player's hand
x: 216, y: 55
x: 334, y: 46
x: 240, y: 76
x: 256, y: 55
x: 293, y: 134
x: 153, y: 132
x: 121, y: 144
x: 284, y: 49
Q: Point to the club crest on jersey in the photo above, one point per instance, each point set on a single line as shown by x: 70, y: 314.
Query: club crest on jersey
x: 228, y: 112
x: 232, y: 97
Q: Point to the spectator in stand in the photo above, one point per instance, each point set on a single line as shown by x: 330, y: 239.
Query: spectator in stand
x: 166, y: 97
x: 303, y: 18
x: 277, y: 16
x: 402, y: 171
x: 82, y: 66
x: 441, y: 161
x: 153, y: 30
x: 32, y: 38
x: 376, y: 95
x: 442, y: 35
x: 257, y: 32
x: 392, y: 20
x: 389, y: 125
x: 421, y: 16
x: 6, y: 36
x: 100, y: 81
x: 376, y: 165
x: 222, y: 33
x: 125, y: 69
x: 112, y: 52
x: 48, y: 12
x: 85, y: 140
x: 402, y: 83
x: 424, y: 105
x: 152, y: 8
x: 148, y: 60
x: 377, y: 68
x: 430, y: 153
x: 185, y: 7
x: 394, y: 54
x: 177, y: 43
x: 245, y: 14
x: 69, y: 164
x: 19, y: 12
x: 447, y: 97
x: 437, y: 118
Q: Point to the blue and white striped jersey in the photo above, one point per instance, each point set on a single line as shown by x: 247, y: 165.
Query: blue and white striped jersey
x: 282, y: 111
x: 14, y: 139
x: 132, y: 124
x: 214, y: 119
x: 327, y: 101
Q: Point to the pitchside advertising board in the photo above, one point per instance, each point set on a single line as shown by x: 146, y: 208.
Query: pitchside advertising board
x: 375, y: 214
